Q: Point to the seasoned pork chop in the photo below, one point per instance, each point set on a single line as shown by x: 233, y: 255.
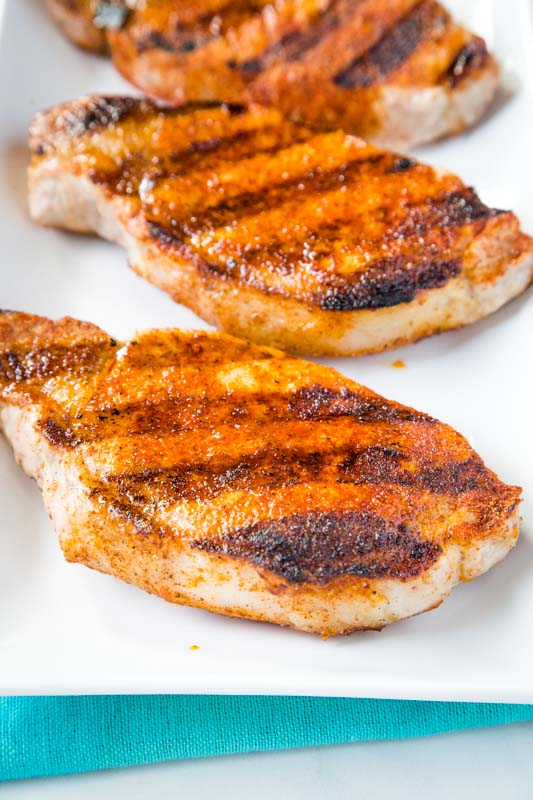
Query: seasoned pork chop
x: 398, y: 72
x: 218, y: 474
x: 77, y: 19
x: 312, y: 242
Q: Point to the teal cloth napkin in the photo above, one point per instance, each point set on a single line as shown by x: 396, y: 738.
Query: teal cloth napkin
x: 58, y: 735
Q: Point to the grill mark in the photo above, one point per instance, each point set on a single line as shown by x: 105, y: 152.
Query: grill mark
x: 321, y: 546
x: 392, y: 280
x: 101, y: 113
x: 318, y: 402
x: 263, y: 470
x: 198, y: 155
x: 403, y: 220
x: 142, y: 525
x: 167, y: 237
x: 388, y: 283
x: 453, y: 208
x: 40, y: 364
x: 205, y: 28
x: 471, y: 57
x: 120, y: 507
x: 270, y: 470
x: 316, y: 181
x: 383, y: 283
x: 111, y: 110
x: 451, y: 479
x: 59, y: 435
x: 294, y: 44
x: 424, y: 21
x: 313, y: 403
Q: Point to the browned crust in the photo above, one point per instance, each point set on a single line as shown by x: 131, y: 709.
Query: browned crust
x: 405, y: 228
x: 325, y: 480
x: 424, y: 21
x: 317, y: 548
x: 325, y: 63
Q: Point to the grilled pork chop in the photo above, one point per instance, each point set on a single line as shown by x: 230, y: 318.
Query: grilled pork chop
x: 77, y: 19
x: 398, y: 72
x: 218, y: 474
x: 312, y: 242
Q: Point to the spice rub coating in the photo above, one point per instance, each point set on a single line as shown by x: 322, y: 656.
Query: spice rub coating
x: 400, y: 72
x: 313, y: 242
x: 219, y: 474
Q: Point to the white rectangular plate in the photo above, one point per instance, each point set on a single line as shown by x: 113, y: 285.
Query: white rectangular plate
x: 66, y: 629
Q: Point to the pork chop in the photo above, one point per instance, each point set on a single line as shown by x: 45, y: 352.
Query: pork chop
x: 397, y: 72
x: 218, y: 474
x: 311, y: 242
x: 76, y: 19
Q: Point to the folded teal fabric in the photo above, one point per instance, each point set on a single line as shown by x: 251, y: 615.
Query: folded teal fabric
x: 58, y: 735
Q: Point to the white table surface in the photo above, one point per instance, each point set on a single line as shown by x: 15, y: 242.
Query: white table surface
x: 491, y: 763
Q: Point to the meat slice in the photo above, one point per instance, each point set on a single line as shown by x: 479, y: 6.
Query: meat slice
x: 312, y: 242
x: 218, y: 474
x: 398, y: 72
x: 76, y: 19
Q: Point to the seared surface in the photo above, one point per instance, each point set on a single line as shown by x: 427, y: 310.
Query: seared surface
x: 330, y: 62
x: 247, y: 200
x: 220, y: 474
x: 320, y: 547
